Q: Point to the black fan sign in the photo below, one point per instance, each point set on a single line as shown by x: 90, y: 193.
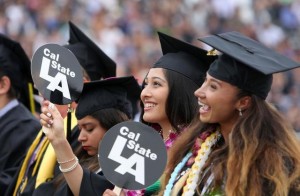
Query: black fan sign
x: 132, y: 155
x: 57, y: 74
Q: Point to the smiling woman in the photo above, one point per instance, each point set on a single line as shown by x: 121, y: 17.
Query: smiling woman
x: 154, y: 97
x: 167, y: 96
x: 243, y: 146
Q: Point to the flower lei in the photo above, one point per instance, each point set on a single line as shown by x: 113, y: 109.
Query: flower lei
x: 175, y: 173
x: 202, y: 156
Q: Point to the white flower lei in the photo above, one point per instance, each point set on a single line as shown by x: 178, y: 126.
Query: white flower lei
x: 202, y: 156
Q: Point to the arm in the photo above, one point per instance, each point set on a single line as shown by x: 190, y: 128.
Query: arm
x: 53, y: 128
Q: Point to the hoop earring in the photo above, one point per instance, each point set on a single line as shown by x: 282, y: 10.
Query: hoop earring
x: 240, y: 112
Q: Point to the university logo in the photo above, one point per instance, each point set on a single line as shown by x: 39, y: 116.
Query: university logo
x: 57, y: 74
x: 132, y: 155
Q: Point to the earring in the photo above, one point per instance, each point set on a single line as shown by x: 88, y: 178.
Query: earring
x: 240, y: 112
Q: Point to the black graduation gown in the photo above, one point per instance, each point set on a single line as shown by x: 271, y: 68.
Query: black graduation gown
x: 30, y: 186
x: 18, y: 128
x: 92, y: 184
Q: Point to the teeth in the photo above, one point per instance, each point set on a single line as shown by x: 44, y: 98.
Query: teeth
x: 203, y: 106
x: 149, y: 105
x: 200, y: 104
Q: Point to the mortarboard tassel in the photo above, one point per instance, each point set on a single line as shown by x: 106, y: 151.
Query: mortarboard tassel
x: 31, y: 99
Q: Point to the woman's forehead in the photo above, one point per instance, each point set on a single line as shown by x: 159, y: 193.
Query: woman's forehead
x: 156, y: 73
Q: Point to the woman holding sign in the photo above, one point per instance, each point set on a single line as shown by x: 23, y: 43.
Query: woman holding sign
x: 102, y: 105
x: 39, y: 165
x: 245, y: 146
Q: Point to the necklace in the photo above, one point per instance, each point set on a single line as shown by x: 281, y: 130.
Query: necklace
x: 201, y: 158
x: 172, y: 135
x: 175, y: 174
x: 169, y: 132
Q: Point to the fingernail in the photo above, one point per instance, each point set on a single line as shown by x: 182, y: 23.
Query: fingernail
x: 48, y: 114
x: 51, y: 106
x: 45, y: 131
x: 50, y: 122
x: 48, y: 125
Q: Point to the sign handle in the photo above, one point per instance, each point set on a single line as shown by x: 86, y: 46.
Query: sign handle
x: 117, y: 190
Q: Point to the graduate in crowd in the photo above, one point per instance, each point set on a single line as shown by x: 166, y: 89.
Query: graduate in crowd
x: 40, y: 164
x: 167, y: 99
x: 243, y: 146
x: 101, y: 105
x: 18, y: 126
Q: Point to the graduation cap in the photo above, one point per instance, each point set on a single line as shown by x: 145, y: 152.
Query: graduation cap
x: 15, y: 64
x: 108, y: 93
x: 96, y: 63
x: 183, y: 58
x: 246, y: 63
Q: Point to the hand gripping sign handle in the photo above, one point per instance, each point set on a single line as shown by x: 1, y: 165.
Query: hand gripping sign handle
x: 117, y: 190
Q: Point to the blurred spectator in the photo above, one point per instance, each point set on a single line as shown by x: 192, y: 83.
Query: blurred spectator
x: 126, y: 29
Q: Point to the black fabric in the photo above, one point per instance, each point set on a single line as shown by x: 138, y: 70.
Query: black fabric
x: 18, y: 128
x: 240, y: 75
x: 108, y: 93
x: 30, y: 187
x: 246, y: 63
x: 183, y: 58
x: 16, y: 65
x: 49, y: 189
x: 96, y: 63
x: 93, y: 184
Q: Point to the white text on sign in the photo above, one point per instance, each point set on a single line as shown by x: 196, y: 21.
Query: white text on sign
x: 138, y: 157
x: 60, y: 78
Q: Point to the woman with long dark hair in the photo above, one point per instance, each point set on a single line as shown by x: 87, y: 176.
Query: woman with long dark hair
x: 243, y: 145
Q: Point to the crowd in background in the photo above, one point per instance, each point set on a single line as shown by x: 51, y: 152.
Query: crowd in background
x: 126, y: 31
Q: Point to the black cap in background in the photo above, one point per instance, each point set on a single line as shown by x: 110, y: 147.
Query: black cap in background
x: 16, y: 65
x: 183, y: 58
x: 108, y: 93
x: 246, y: 63
x: 96, y: 63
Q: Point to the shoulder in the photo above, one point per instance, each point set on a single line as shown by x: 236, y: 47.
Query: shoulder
x: 20, y: 113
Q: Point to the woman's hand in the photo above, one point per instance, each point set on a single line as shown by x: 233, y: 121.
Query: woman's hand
x: 109, y: 192
x: 52, y: 122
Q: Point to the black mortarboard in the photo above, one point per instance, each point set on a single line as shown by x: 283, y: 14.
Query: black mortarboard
x: 16, y: 65
x: 183, y: 58
x: 246, y: 63
x: 108, y: 93
x: 96, y: 63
